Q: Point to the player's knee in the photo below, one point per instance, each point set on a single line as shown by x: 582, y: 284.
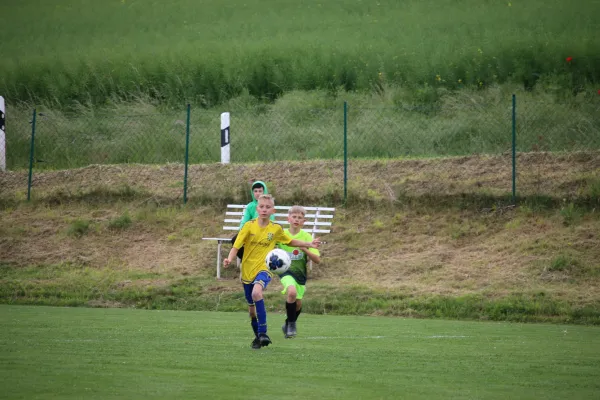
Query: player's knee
x: 257, y: 295
x: 291, y: 294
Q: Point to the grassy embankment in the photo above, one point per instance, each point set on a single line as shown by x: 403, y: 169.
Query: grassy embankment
x: 418, y: 238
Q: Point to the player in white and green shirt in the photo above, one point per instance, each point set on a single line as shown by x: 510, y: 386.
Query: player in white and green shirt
x: 294, y: 279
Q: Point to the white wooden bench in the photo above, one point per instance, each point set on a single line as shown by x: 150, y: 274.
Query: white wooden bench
x: 318, y: 220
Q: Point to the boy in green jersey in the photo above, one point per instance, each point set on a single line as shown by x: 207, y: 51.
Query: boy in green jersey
x: 250, y: 212
x: 294, y: 279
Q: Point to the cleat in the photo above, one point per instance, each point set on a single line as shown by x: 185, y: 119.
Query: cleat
x: 284, y: 328
x: 264, y: 339
x: 291, y: 330
x: 255, y: 344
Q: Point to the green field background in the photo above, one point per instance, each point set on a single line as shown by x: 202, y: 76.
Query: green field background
x: 76, y: 353
x: 205, y: 52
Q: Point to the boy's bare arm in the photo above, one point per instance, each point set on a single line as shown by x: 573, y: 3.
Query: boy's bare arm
x: 311, y: 256
x: 301, y: 243
x: 232, y: 253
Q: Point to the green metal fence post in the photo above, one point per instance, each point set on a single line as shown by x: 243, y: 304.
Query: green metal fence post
x: 514, y: 149
x: 187, y: 153
x: 31, y: 150
x: 345, y: 152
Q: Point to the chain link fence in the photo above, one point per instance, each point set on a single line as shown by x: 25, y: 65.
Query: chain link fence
x: 467, y: 147
x: 299, y: 134
x: 555, y: 142
x: 73, y: 154
x: 448, y: 148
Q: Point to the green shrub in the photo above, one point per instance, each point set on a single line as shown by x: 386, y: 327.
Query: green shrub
x: 122, y: 222
x: 567, y: 264
x: 571, y: 214
x: 78, y: 228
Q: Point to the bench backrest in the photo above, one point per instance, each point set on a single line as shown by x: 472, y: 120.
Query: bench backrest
x: 318, y: 219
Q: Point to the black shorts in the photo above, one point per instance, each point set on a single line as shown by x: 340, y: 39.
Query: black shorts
x: 240, y: 253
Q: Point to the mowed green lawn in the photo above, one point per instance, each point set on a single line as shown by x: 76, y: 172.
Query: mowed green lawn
x: 87, y: 353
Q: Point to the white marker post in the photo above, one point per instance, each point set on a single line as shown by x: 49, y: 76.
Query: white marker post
x: 225, y: 139
x: 2, y: 135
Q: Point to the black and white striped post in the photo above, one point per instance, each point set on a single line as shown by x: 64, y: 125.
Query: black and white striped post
x: 2, y: 135
x: 225, y: 138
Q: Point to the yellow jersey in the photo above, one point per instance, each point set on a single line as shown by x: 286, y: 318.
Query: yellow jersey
x: 257, y: 243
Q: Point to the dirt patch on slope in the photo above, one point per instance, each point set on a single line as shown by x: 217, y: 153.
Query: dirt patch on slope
x: 563, y: 175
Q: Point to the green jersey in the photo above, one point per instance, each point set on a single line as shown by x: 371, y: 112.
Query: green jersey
x: 299, y: 259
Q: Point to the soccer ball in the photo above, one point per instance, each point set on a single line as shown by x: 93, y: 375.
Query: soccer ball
x: 278, y: 261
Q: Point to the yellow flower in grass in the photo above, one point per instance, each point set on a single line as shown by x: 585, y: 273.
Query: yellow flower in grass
x: 438, y: 78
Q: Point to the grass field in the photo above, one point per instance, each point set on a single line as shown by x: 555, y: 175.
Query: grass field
x: 207, y: 52
x: 74, y: 353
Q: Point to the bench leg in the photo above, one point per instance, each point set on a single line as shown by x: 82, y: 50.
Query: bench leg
x: 219, y: 260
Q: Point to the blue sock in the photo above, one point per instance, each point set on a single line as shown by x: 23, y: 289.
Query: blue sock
x: 261, y: 313
x: 254, y: 323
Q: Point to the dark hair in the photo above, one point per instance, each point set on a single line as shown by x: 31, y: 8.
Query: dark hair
x: 258, y: 185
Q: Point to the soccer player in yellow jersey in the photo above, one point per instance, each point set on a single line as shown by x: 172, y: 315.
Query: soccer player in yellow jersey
x: 258, y: 237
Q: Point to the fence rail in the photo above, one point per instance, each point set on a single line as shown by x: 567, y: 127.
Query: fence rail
x: 522, y: 139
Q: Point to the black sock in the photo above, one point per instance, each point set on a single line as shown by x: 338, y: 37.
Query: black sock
x: 290, y: 309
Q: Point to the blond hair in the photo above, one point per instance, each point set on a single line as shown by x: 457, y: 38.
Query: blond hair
x: 297, y: 210
x: 267, y: 197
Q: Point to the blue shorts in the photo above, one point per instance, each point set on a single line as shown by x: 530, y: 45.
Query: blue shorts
x: 263, y: 278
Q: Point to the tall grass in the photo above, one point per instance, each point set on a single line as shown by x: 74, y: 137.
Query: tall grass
x: 207, y: 52
x: 307, y: 126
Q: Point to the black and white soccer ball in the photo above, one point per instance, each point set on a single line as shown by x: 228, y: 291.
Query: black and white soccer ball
x: 278, y: 261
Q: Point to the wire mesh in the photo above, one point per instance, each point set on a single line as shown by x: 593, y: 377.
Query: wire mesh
x: 558, y: 146
x: 451, y: 147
